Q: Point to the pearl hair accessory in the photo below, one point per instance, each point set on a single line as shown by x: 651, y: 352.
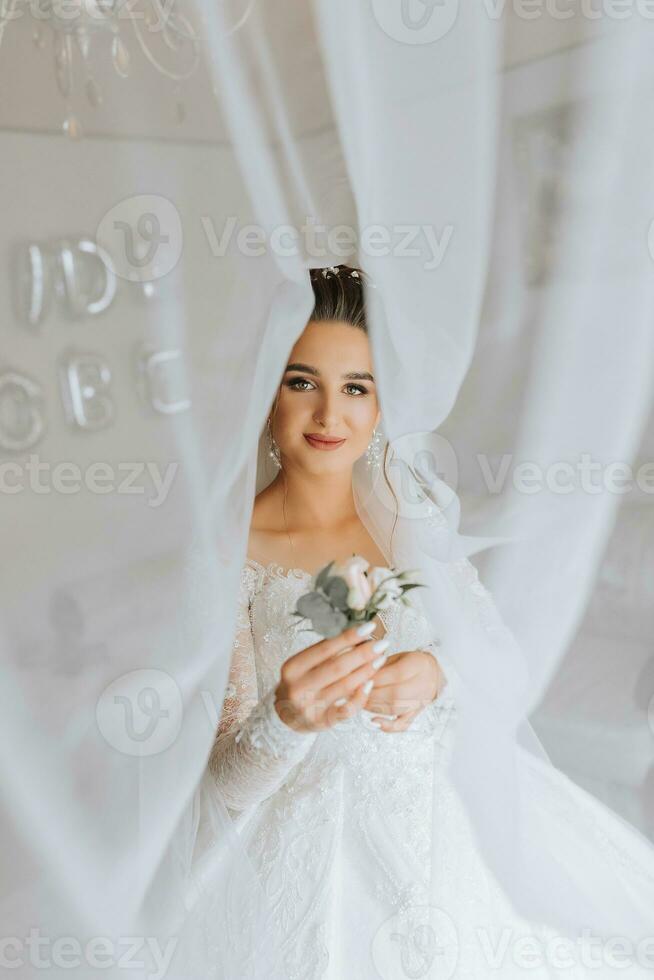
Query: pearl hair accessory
x: 334, y: 270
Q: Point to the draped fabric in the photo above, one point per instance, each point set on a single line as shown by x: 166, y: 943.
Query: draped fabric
x: 491, y: 172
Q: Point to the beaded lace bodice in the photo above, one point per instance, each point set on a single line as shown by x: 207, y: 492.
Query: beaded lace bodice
x: 254, y: 749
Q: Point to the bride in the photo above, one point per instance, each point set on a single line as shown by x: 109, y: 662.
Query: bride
x: 328, y: 750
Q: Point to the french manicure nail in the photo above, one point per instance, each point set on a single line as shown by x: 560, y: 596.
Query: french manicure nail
x: 380, y: 645
x: 379, y: 661
x: 366, y: 628
x: 367, y: 687
x: 340, y: 702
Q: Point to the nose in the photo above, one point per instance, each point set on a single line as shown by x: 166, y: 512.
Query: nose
x: 326, y: 414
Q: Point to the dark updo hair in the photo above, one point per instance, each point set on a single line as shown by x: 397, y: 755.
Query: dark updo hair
x: 339, y: 295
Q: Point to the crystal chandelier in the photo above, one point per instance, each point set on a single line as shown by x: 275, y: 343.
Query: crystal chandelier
x: 77, y: 26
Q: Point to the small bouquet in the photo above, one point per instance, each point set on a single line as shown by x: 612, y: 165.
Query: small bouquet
x: 351, y: 593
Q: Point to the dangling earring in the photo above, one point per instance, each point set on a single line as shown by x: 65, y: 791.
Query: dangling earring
x: 273, y: 448
x: 374, y: 450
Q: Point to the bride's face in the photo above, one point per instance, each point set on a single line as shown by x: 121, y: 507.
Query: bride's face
x: 327, y: 389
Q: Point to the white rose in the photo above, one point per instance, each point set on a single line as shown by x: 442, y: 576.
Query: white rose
x: 359, y: 588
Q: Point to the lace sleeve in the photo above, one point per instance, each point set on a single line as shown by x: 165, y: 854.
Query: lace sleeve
x: 254, y: 750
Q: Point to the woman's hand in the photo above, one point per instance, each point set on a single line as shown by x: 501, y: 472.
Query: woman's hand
x: 327, y: 682
x: 404, y: 686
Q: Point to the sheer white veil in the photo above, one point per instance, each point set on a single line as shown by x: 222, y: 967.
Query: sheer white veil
x: 499, y: 765
x: 493, y: 173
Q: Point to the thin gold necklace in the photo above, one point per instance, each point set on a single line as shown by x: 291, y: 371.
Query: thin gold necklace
x: 288, y: 533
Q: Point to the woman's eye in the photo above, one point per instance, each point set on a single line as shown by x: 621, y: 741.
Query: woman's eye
x: 295, y: 385
x: 298, y: 381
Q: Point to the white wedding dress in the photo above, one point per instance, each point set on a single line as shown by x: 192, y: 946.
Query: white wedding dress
x: 338, y: 823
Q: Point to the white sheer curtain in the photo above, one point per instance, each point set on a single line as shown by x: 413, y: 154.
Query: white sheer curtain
x: 505, y: 227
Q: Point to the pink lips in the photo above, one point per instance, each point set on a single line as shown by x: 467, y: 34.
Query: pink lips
x: 318, y: 442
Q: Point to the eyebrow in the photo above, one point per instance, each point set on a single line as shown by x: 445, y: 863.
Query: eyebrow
x: 350, y: 376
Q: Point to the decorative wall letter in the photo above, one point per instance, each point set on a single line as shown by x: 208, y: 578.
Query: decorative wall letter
x: 22, y: 422
x: 85, y: 380
x: 155, y: 379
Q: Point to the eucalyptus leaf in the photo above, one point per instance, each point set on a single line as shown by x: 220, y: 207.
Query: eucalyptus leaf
x: 313, y: 604
x: 337, y: 590
x: 329, y: 622
x: 323, y: 575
